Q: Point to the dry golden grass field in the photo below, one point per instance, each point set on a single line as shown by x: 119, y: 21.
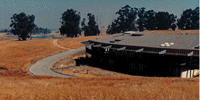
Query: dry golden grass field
x: 17, y: 83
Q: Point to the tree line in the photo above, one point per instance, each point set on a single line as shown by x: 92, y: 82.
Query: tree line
x: 23, y: 25
x: 151, y: 20
x: 70, y: 24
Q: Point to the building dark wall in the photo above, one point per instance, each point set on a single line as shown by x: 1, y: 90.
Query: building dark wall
x: 141, y: 63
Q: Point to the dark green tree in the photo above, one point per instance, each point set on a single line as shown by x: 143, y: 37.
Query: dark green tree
x: 173, y: 27
x: 125, y: 21
x: 141, y: 20
x: 70, y: 23
x: 164, y: 20
x: 84, y: 26
x: 92, y: 28
x: 189, y: 19
x: 46, y: 31
x: 150, y: 20
x: 22, y: 25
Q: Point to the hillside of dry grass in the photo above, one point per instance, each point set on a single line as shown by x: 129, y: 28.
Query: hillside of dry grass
x: 16, y: 83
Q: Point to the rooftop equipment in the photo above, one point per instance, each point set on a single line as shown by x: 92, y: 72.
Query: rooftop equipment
x: 171, y: 43
x: 167, y: 44
x: 162, y: 45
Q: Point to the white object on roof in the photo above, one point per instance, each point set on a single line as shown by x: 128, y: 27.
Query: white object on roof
x: 130, y: 32
x: 162, y: 45
x: 171, y: 43
x: 167, y: 44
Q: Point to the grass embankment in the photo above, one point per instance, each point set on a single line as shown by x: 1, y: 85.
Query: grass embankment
x: 15, y: 83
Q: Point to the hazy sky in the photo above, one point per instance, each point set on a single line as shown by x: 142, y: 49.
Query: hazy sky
x: 48, y: 12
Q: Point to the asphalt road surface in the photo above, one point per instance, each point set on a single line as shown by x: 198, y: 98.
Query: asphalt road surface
x: 43, y: 66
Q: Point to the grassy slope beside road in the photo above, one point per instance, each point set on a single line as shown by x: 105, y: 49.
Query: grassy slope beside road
x: 17, y: 84
x: 17, y: 55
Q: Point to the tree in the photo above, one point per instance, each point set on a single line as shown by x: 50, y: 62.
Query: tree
x: 92, y: 28
x: 46, y: 31
x: 159, y: 21
x: 141, y: 20
x: 84, y: 26
x: 164, y: 20
x: 150, y: 20
x: 173, y: 27
x: 70, y: 23
x: 22, y: 25
x: 189, y: 19
x: 125, y: 21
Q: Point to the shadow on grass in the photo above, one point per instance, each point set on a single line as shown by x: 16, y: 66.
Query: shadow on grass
x: 2, y: 68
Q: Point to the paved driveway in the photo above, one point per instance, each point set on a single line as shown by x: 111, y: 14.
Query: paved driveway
x: 43, y: 66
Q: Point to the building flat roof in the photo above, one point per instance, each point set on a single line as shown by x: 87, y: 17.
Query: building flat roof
x: 175, y: 41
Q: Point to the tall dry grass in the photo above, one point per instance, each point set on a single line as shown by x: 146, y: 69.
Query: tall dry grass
x: 101, y: 88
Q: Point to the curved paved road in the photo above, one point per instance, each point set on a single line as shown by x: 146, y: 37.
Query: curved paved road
x: 43, y: 66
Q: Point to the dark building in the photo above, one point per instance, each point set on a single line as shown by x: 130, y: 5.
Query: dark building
x: 146, y: 53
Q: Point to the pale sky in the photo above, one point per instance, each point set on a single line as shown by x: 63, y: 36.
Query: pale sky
x: 48, y: 12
